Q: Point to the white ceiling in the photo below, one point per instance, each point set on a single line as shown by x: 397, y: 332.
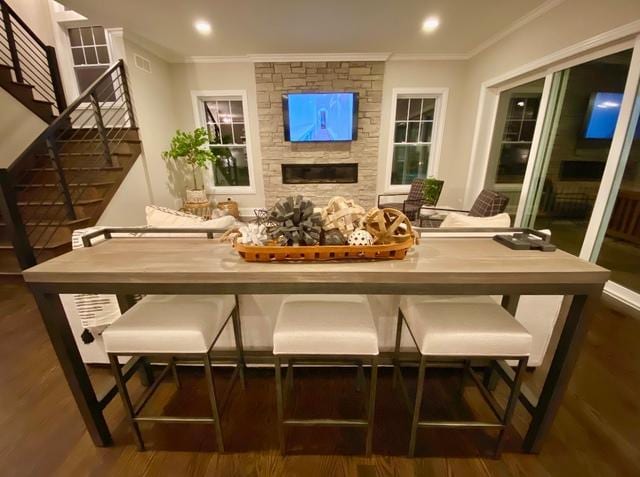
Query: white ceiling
x: 268, y: 27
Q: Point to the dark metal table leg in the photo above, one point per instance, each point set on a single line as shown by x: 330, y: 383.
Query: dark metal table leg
x: 64, y: 345
x: 237, y: 333
x: 559, y: 374
x: 145, y: 370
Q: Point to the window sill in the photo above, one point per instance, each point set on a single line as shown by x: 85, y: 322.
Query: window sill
x: 231, y: 190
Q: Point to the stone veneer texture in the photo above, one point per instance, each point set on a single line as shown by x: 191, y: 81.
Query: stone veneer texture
x: 274, y: 79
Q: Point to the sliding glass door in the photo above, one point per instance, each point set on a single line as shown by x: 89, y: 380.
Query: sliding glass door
x: 579, y: 122
x: 618, y: 244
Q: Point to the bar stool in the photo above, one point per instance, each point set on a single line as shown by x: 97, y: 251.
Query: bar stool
x: 170, y: 327
x: 313, y: 329
x: 462, y: 328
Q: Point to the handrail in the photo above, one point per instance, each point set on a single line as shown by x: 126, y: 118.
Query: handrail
x: 33, y: 61
x: 62, y: 119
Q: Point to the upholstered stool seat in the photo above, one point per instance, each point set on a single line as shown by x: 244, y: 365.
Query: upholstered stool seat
x: 465, y: 329
x: 325, y: 325
x: 325, y: 328
x: 170, y: 324
x: 461, y: 328
x: 184, y: 327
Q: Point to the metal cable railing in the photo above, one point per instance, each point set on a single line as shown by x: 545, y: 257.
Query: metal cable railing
x: 47, y: 191
x: 33, y: 62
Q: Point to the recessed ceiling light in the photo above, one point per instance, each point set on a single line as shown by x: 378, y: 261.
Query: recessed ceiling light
x: 202, y: 26
x: 430, y: 24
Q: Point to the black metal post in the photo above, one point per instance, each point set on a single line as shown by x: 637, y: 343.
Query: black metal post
x: 13, y: 51
x: 127, y: 95
x: 66, y: 350
x: 13, y: 220
x: 56, y: 81
x: 102, y: 131
x: 52, y: 151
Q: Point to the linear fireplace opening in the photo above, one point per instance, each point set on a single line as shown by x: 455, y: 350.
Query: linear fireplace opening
x: 320, y: 173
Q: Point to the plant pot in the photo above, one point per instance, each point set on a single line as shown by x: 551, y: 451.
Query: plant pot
x: 196, y: 196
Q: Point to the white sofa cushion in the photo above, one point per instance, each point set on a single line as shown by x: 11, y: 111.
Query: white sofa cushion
x: 164, y: 217
x: 325, y: 325
x: 465, y: 329
x: 169, y: 324
x: 455, y: 219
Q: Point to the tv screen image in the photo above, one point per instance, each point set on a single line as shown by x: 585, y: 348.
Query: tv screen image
x: 320, y: 117
x: 602, y: 116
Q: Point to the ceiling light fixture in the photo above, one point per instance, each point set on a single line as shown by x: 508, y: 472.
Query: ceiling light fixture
x: 202, y: 26
x: 430, y: 24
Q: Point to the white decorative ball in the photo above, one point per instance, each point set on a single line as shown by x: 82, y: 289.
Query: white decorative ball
x: 360, y: 238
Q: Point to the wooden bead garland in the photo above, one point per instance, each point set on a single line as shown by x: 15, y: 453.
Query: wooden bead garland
x: 387, y: 226
x: 342, y: 214
x: 293, y: 222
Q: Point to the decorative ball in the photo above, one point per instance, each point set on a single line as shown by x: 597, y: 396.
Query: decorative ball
x: 342, y: 214
x: 387, y: 225
x: 360, y: 238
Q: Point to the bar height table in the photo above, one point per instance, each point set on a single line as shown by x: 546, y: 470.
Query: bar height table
x: 451, y: 266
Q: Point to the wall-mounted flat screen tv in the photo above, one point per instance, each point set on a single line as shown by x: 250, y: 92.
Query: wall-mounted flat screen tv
x: 602, y: 116
x: 320, y: 117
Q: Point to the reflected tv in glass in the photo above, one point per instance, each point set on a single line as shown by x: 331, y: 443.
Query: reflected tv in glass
x: 320, y: 117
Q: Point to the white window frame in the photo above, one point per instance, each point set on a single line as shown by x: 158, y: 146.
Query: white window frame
x: 198, y: 97
x: 440, y: 95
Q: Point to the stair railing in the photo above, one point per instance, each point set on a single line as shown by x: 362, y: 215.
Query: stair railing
x: 33, y: 62
x: 42, y: 191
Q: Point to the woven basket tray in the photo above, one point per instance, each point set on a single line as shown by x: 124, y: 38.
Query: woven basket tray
x: 308, y: 253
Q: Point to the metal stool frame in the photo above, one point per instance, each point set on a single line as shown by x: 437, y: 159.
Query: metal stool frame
x: 503, y: 416
x: 320, y: 360
x: 133, y: 411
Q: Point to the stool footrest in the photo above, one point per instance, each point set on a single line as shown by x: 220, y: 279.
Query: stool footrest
x: 460, y: 424
x: 326, y: 422
x: 175, y: 419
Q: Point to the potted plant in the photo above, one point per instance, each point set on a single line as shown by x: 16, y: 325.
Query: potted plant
x: 192, y: 149
x: 431, y: 189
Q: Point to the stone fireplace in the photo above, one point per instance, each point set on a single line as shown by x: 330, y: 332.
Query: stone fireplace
x: 330, y: 168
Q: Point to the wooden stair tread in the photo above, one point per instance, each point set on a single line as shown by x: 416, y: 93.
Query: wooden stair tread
x: 54, y: 223
x: 71, y: 184
x: 50, y: 203
x: 50, y: 245
x: 77, y: 169
x: 100, y: 154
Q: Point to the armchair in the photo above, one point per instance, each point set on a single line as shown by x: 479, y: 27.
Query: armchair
x: 422, y: 192
x: 487, y: 204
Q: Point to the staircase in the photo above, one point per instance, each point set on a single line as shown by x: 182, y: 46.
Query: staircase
x: 65, y: 179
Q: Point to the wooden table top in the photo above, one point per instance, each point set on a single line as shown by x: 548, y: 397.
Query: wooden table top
x: 197, y: 260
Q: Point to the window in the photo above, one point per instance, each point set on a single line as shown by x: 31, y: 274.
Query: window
x: 520, y: 124
x: 225, y: 122
x: 91, y: 58
x: 414, y: 137
x: 515, y: 124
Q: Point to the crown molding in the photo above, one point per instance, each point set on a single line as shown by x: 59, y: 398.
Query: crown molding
x: 216, y: 59
x: 428, y: 57
x: 288, y: 57
x: 516, y: 25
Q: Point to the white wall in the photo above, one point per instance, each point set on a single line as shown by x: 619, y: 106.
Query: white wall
x: 152, y: 95
x: 428, y: 74
x: 36, y: 14
x: 188, y: 77
x: 18, y: 128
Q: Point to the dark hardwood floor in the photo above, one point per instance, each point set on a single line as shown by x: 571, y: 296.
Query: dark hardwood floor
x: 596, y: 433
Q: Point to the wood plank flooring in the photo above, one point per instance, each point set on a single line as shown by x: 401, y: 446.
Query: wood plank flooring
x: 596, y: 433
